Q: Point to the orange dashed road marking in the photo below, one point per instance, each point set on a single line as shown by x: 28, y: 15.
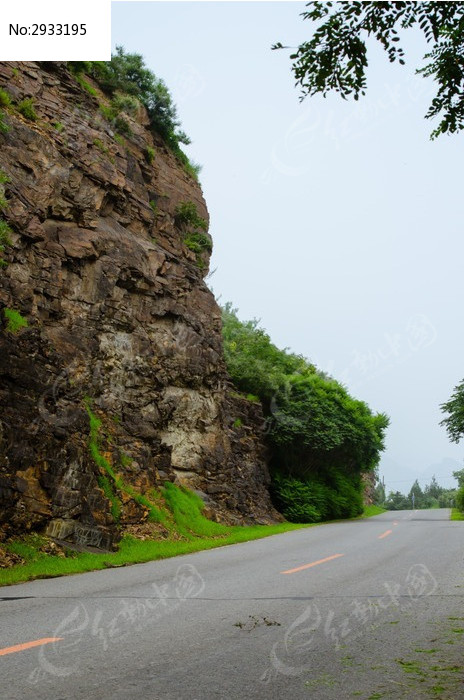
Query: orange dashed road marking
x: 29, y: 645
x: 314, y: 563
x: 385, y: 534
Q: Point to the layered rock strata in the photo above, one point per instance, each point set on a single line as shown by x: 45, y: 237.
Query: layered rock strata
x: 120, y: 322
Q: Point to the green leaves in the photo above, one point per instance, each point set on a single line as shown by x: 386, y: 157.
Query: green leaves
x: 454, y: 423
x: 335, y: 58
x: 129, y: 82
x: 314, y: 426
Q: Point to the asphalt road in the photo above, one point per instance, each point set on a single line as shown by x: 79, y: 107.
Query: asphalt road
x: 362, y: 609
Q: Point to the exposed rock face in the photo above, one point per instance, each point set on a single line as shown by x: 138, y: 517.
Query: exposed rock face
x: 119, y: 312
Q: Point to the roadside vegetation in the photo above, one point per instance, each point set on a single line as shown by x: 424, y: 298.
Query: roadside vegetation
x: 431, y: 496
x: 457, y: 514
x: 372, y: 510
x: 321, y: 439
x: 184, y: 530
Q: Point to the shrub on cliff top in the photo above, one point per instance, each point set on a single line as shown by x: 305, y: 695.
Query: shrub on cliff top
x: 127, y: 75
x: 126, y: 78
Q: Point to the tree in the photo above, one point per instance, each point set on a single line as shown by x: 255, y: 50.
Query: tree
x: 127, y: 75
x: 433, y: 490
x: 396, y: 501
x: 454, y: 423
x: 416, y: 494
x: 379, y: 495
x: 320, y: 438
x: 335, y: 58
x: 459, y: 475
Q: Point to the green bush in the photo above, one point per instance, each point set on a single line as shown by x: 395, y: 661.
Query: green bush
x: 122, y: 126
x: 326, y: 497
x: 149, y: 155
x: 5, y: 240
x: 257, y: 367
x: 5, y: 99
x: 125, y: 103
x: 26, y: 108
x: 320, y: 438
x: 460, y: 499
x: 3, y: 180
x: 5, y: 232
x: 127, y: 74
x: 299, y: 502
x: 113, y: 114
x: 186, y: 215
x: 198, y: 242
x: 128, y: 80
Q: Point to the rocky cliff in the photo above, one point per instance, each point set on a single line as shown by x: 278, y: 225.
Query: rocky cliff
x: 121, y: 325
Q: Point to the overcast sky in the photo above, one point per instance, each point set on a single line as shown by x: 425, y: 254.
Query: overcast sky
x: 338, y: 224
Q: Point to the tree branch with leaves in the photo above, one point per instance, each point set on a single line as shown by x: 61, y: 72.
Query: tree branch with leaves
x: 335, y: 58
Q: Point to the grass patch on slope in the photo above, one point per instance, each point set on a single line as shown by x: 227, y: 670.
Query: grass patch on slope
x: 131, y: 551
x: 190, y: 532
x: 370, y: 511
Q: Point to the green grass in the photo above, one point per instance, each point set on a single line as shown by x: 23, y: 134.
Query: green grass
x: 58, y: 126
x: 177, y: 509
x: 109, y: 481
x: 369, y: 511
x: 133, y: 551
x: 149, y: 155
x: 187, y: 508
x: 4, y: 179
x: 85, y: 85
x: 456, y: 514
x: 98, y: 143
x: 5, y: 99
x: 4, y: 128
x: 14, y: 321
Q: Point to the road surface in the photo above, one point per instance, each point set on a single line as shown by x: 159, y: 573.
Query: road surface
x: 360, y: 609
